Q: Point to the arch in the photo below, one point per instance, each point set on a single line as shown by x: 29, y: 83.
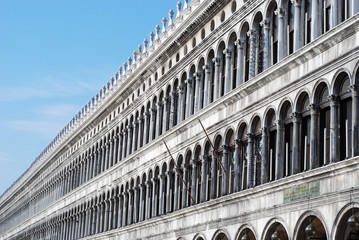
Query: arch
x: 199, y: 236
x: 221, y: 234
x: 341, y: 229
x: 315, y: 219
x: 275, y: 225
x: 248, y: 230
x: 339, y: 79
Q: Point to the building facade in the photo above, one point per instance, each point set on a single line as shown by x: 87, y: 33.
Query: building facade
x: 236, y: 120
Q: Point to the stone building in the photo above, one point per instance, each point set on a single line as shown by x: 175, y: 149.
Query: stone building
x: 236, y: 120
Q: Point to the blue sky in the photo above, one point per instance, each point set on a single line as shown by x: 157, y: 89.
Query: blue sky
x: 54, y: 56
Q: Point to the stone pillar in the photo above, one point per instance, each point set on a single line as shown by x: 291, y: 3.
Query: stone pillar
x: 204, y: 178
x: 125, y: 209
x: 266, y: 32
x: 93, y: 228
x: 168, y: 192
x: 147, y: 128
x: 129, y: 139
x: 334, y: 129
x: 189, y: 96
x: 120, y: 211
x: 227, y: 85
x: 316, y: 28
x: 279, y: 173
x: 134, y: 138
x: 250, y: 166
x: 282, y: 34
x: 214, y: 176
x: 265, y: 155
x: 185, y: 190
x: 135, y: 208
x: 110, y: 214
x: 115, y: 149
x: 225, y: 180
x: 253, y: 53
x: 180, y: 106
x: 207, y: 84
x: 130, y: 207
x: 161, y: 183
x: 197, y: 77
x: 148, y: 200
x: 142, y: 204
x: 154, y: 197
x: 105, y: 227
x: 355, y: 120
x: 165, y: 115
x: 120, y: 144
x: 217, y: 62
x: 158, y: 118
x: 124, y: 142
x: 176, y: 193
x: 139, y: 131
x: 103, y: 158
x: 296, y: 142
x: 298, y: 31
x: 98, y: 213
x: 240, y: 61
x: 153, y: 124
x: 238, y: 166
x: 314, y: 143
x: 194, y: 181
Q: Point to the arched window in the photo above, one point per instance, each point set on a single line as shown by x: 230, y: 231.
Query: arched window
x: 203, y: 34
x: 223, y: 16
x: 257, y: 146
x: 234, y: 6
x: 163, y: 70
x: 156, y: 75
x: 243, y: 156
x: 213, y: 25
x: 274, y: 35
x: 290, y: 27
x: 270, y: 124
x: 308, y: 20
x: 286, y: 120
x: 185, y: 50
x: 170, y: 64
x: 193, y: 42
x: 211, y: 79
x: 177, y: 57
x: 303, y: 110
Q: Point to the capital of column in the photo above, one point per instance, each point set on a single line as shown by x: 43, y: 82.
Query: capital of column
x: 251, y: 33
x: 265, y: 131
x: 195, y: 161
x: 239, y: 43
x: 227, y: 52
x: 265, y: 23
x: 206, y: 68
x: 334, y: 100
x: 296, y: 117
x: 355, y: 90
x: 297, y: 3
x: 279, y: 123
x: 225, y: 148
x: 216, y: 60
x: 188, y: 81
x: 313, y: 109
x: 280, y: 12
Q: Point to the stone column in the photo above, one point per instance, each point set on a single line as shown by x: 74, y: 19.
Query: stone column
x: 266, y: 32
x: 282, y: 34
x: 120, y: 144
x: 148, y: 200
x: 314, y: 143
x: 135, y: 205
x: 168, y: 192
x: 103, y: 158
x: 238, y: 166
x: 142, y: 203
x: 250, y: 166
x: 105, y: 227
x: 316, y: 28
x: 279, y: 173
x: 130, y: 207
x: 125, y: 209
x: 139, y: 131
x: 110, y: 214
x: 93, y: 227
x: 253, y: 53
x: 154, y: 197
x: 120, y: 211
x: 109, y: 160
x: 227, y: 85
x: 296, y: 142
x: 161, y: 183
x: 134, y: 138
x: 204, y: 178
x: 180, y: 106
x: 172, y: 109
x: 197, y: 77
x: 147, y: 126
x: 217, y: 62
x: 225, y: 180
x: 240, y: 61
x: 115, y: 149
x: 165, y: 115
x: 214, y: 176
x: 355, y: 120
x: 207, y: 84
x: 124, y: 142
x: 115, y: 212
x: 153, y: 125
x: 194, y: 181
x: 265, y: 155
x: 98, y: 213
x: 176, y: 194
x: 129, y: 139
x: 189, y: 96
x: 334, y: 130
x: 298, y: 31
x: 185, y: 190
